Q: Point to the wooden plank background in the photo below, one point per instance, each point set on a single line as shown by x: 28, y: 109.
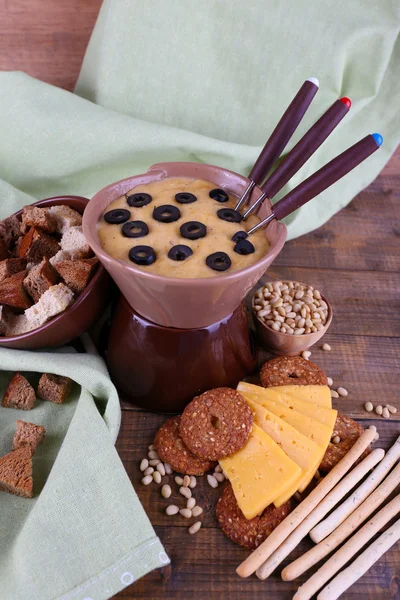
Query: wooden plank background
x: 354, y: 259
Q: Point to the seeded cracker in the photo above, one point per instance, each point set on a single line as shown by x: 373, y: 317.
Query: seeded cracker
x: 216, y: 424
x: 348, y: 431
x: 291, y: 370
x: 249, y: 533
x: 171, y: 449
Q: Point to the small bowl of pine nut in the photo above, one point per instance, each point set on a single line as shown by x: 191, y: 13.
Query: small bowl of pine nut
x: 290, y: 316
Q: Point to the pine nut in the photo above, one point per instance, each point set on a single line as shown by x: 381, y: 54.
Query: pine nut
x: 152, y: 447
x: 212, y: 481
x: 219, y: 477
x: 306, y: 354
x: 166, y: 491
x: 157, y: 477
x: 148, y: 471
x: 303, y: 312
x: 195, y: 527
x: 161, y: 469
x: 317, y: 294
x: 279, y: 319
x: 334, y: 394
x: 379, y: 410
x: 191, y: 503
x: 186, y: 512
x: 330, y: 381
x: 291, y: 315
x: 178, y: 480
x: 186, y: 480
x: 299, y: 294
x: 269, y: 287
x: 282, y: 311
x: 218, y: 469
x: 308, y: 330
x: 193, y: 482
x: 342, y: 391
x: 301, y: 322
x: 154, y: 462
x: 296, y: 307
x: 369, y: 406
x: 172, y: 510
x: 385, y: 413
x: 326, y: 347
x: 168, y: 469
x: 299, y: 331
x: 275, y: 326
x: 277, y: 303
x: 336, y: 439
x: 144, y: 464
x: 185, y: 491
x: 197, y: 510
x: 290, y: 331
x: 309, y: 323
x: 147, y: 479
x: 319, y: 326
x: 153, y: 454
x: 391, y: 409
x: 313, y: 329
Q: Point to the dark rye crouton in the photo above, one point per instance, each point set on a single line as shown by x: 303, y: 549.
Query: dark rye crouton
x: 28, y: 434
x: 19, y: 394
x: 36, y: 245
x: 10, y: 230
x: 39, y: 279
x: 16, y: 472
x: 77, y: 273
x: 3, y: 322
x: 33, y: 216
x: 10, y: 266
x: 4, y: 252
x: 54, y: 388
x: 12, y: 292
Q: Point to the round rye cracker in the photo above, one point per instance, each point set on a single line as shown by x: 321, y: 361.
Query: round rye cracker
x: 172, y: 450
x: 216, y: 424
x: 249, y: 533
x: 349, y: 431
x: 291, y: 370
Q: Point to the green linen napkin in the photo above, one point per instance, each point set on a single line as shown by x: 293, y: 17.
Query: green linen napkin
x: 84, y: 535
x: 204, y: 81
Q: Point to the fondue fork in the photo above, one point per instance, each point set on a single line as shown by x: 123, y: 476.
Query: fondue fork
x: 302, y: 151
x: 281, y: 135
x: 323, y: 178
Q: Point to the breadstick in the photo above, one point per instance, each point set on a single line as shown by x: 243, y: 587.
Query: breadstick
x: 366, y: 488
x: 285, y: 528
x: 346, y: 578
x: 346, y: 553
x: 310, y: 558
x: 319, y: 512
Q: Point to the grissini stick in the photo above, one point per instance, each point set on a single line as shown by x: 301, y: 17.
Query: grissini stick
x: 319, y: 512
x: 345, y: 509
x: 323, y: 178
x: 310, y: 558
x: 285, y: 528
x: 346, y: 553
x: 281, y: 135
x: 302, y: 151
x: 360, y: 566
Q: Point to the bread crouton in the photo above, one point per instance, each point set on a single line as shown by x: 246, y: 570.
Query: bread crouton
x: 39, y: 279
x: 12, y: 292
x: 19, y: 394
x: 59, y: 257
x: 65, y: 217
x: 10, y: 230
x: 10, y: 266
x: 54, y: 301
x: 16, y: 472
x: 28, y: 434
x: 36, y: 245
x: 77, y: 273
x: 3, y: 322
x: 54, y: 388
x: 74, y: 242
x: 4, y: 252
x: 18, y: 325
x: 34, y: 216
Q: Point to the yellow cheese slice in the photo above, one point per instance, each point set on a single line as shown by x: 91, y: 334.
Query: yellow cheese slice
x: 327, y: 416
x: 301, y: 449
x: 316, y: 394
x: 259, y: 472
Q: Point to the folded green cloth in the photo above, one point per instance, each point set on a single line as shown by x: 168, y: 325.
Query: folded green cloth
x: 84, y: 535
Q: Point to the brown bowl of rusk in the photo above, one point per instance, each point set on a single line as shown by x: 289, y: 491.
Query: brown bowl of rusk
x: 81, y: 315
x: 285, y: 344
x: 180, y: 302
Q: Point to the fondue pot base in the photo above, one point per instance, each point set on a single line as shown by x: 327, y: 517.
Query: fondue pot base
x: 162, y: 368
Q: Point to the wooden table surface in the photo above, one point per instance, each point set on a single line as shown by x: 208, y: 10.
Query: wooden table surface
x: 354, y: 259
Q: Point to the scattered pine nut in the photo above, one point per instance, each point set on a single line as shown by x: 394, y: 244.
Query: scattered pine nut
x: 186, y: 480
x: 161, y: 469
x: 385, y: 413
x: 168, y: 469
x: 147, y: 479
x: 148, y: 471
x: 191, y: 503
x: 334, y: 394
x: 154, y: 462
x: 218, y: 469
x: 178, y: 480
x: 144, y: 464
x: 157, y: 477
x: 195, y: 527
x: 186, y: 512
x: 193, y: 482
x: 166, y: 491
x: 153, y: 454
x: 391, y: 409
x: 172, y: 510
x: 379, y: 410
x: 196, y: 511
x: 330, y: 381
x: 152, y: 447
x: 376, y: 438
x: 306, y: 354
x: 212, y: 481
x: 342, y: 391
x: 185, y: 491
x: 326, y: 347
x: 220, y: 477
x: 336, y: 439
x: 369, y: 407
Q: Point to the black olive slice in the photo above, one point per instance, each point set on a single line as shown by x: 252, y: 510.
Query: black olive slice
x: 230, y: 215
x: 180, y: 252
x: 166, y: 213
x: 116, y: 216
x: 239, y: 235
x: 135, y: 229
x: 244, y: 247
x: 138, y: 200
x: 219, y: 195
x: 185, y: 198
x: 193, y: 230
x: 142, y: 255
x: 219, y: 261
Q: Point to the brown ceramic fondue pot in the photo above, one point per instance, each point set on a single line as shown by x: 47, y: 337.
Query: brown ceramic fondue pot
x: 172, y: 338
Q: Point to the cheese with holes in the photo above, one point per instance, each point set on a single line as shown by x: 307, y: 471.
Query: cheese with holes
x: 301, y: 449
x: 259, y: 472
x: 316, y: 394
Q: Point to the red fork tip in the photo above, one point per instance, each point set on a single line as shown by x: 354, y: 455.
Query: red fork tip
x: 345, y: 101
